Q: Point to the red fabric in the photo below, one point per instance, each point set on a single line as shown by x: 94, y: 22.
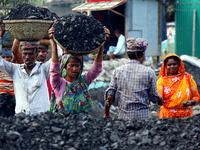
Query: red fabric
x: 49, y: 87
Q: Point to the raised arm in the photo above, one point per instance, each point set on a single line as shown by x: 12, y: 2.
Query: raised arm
x: 54, y: 58
x: 15, y: 50
x: 5, y: 67
x: 99, y: 56
x: 96, y: 67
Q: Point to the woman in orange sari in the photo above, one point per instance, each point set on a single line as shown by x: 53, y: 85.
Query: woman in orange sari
x: 177, y: 88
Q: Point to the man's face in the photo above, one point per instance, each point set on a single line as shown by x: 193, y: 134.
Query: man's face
x: 29, y: 57
x: 116, y: 34
x: 42, y: 54
x: 7, y: 58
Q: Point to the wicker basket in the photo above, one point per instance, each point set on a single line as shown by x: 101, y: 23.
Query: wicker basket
x: 74, y: 52
x: 28, y: 30
x: 7, y: 39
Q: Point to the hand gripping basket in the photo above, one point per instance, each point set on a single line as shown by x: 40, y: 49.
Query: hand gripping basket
x: 28, y: 30
x: 76, y: 53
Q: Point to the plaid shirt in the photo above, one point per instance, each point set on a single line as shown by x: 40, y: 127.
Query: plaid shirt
x: 136, y: 85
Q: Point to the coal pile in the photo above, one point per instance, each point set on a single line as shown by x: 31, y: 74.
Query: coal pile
x: 194, y: 71
x: 79, y: 33
x: 27, y: 11
x: 53, y: 131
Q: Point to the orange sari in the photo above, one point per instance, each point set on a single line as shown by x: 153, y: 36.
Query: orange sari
x: 176, y: 90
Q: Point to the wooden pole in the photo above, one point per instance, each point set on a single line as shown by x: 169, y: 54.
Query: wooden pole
x: 117, y: 13
x: 193, y: 32
x: 159, y: 28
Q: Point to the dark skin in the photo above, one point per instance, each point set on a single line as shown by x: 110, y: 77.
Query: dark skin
x: 29, y: 58
x: 7, y: 58
x: 2, y: 29
x: 42, y: 54
x: 73, y: 68
x: 172, y: 69
x: 110, y: 98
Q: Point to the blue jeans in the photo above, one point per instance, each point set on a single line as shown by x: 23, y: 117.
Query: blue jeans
x: 112, y: 49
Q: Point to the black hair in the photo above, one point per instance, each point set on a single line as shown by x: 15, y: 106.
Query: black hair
x: 135, y: 55
x: 73, y: 57
x: 172, y: 57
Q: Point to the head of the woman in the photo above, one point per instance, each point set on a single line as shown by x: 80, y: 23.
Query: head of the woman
x: 73, y: 67
x: 172, y: 64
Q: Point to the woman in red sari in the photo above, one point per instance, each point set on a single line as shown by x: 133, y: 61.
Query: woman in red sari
x: 177, y: 88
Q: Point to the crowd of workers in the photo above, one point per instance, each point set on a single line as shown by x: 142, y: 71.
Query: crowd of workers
x: 58, y: 85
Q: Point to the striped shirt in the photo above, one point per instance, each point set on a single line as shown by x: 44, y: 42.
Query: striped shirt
x: 136, y: 85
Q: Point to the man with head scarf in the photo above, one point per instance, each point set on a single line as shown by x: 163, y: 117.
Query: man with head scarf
x: 29, y: 79
x: 135, y: 83
x: 43, y: 47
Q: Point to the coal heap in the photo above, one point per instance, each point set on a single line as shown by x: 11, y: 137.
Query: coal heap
x: 53, y: 131
x: 79, y: 33
x: 27, y: 11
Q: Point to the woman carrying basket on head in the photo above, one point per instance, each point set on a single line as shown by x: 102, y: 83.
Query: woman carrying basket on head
x: 70, y: 87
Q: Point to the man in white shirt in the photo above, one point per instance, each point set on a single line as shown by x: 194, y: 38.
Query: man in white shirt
x: 29, y: 79
x: 120, y: 48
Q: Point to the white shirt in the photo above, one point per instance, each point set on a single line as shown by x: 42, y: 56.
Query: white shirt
x: 31, y: 91
x: 120, y: 48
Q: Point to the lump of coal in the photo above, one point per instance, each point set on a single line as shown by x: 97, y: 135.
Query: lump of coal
x: 54, y: 131
x: 79, y: 33
x: 27, y: 11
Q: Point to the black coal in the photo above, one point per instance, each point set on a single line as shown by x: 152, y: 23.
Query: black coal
x: 53, y: 131
x: 79, y: 33
x: 27, y: 11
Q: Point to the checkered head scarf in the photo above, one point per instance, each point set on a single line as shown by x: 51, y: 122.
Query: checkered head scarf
x: 27, y: 45
x: 136, y: 44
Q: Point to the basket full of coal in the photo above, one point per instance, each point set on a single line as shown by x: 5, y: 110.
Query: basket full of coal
x: 52, y: 131
x: 78, y: 34
x: 29, y: 23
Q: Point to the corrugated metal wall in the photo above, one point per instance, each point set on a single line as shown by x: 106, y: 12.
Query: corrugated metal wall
x: 142, y: 21
x: 184, y: 27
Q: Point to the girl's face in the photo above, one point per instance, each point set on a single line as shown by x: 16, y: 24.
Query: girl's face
x: 172, y: 67
x: 73, y: 68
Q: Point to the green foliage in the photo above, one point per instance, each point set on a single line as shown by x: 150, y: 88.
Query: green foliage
x: 170, y: 10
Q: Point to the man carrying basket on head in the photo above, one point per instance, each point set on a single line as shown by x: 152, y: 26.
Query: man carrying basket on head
x: 29, y: 79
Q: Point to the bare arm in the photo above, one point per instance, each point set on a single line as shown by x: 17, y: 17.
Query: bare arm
x: 54, y: 58
x: 15, y: 50
x: 107, y: 107
x: 99, y: 57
